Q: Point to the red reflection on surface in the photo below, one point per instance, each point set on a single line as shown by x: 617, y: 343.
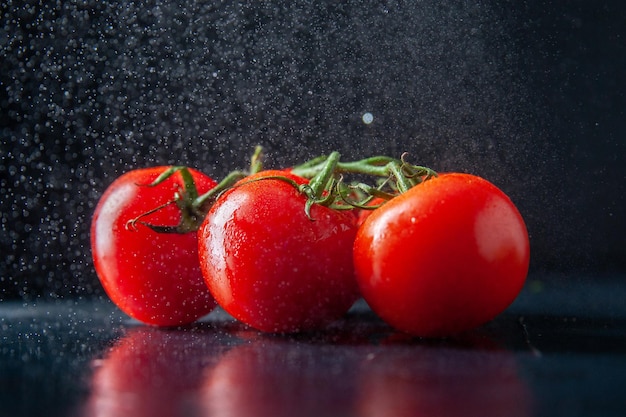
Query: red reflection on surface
x: 151, y: 372
x: 268, y: 379
x: 443, y: 382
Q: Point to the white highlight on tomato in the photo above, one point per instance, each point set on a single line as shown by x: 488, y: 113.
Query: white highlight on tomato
x: 215, y: 243
x: 105, y: 233
x: 497, y: 229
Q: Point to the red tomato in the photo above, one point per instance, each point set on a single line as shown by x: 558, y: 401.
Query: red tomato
x: 446, y: 256
x: 153, y: 277
x: 269, y: 265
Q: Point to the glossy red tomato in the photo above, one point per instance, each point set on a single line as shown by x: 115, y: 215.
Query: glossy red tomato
x: 447, y: 256
x: 153, y: 277
x: 269, y: 265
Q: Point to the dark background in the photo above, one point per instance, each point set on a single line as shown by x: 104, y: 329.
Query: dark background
x: 530, y: 95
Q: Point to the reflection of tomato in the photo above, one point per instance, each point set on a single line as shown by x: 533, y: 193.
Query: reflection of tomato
x: 153, y: 277
x: 151, y: 373
x: 268, y: 379
x: 446, y: 256
x: 442, y: 382
x: 272, y: 267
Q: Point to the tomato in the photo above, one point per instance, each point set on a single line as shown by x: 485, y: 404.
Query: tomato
x: 153, y: 277
x: 445, y: 257
x: 269, y: 265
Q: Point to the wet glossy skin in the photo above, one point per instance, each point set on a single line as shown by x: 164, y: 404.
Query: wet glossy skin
x: 269, y: 265
x: 445, y: 257
x: 153, y: 277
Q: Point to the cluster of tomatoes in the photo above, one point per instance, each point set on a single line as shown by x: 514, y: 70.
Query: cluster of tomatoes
x: 292, y: 250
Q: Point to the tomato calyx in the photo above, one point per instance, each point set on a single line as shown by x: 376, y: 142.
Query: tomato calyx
x: 328, y: 186
x: 193, y: 206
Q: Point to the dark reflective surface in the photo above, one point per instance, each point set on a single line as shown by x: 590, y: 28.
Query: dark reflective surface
x: 560, y: 350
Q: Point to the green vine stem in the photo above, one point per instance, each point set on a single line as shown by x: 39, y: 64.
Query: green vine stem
x: 327, y: 186
x: 194, y: 207
x: 398, y: 176
x: 373, y: 166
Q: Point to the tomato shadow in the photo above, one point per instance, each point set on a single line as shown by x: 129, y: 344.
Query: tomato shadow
x: 359, y: 327
x: 550, y: 333
x: 535, y: 334
x: 521, y: 333
x: 513, y: 331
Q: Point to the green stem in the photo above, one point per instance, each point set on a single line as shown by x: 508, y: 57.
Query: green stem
x: 326, y: 186
x: 321, y: 181
x: 375, y: 166
x: 402, y: 182
x: 404, y: 174
x: 189, y: 185
x: 256, y: 161
x: 204, y: 202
